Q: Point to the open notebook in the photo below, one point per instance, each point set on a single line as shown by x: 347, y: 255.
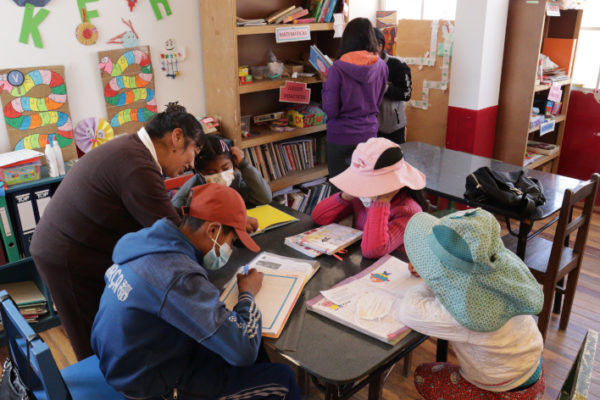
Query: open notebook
x: 284, y: 278
x: 269, y: 217
x: 328, y: 239
x: 368, y: 301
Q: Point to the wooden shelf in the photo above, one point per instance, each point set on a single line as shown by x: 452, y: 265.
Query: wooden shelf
x: 263, y: 29
x: 270, y: 84
x: 542, y: 160
x: 558, y: 119
x: 542, y: 86
x: 267, y: 136
x: 298, y: 177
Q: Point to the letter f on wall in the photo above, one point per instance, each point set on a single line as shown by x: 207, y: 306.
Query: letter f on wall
x: 30, y: 25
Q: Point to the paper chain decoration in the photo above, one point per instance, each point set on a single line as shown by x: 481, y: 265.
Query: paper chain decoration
x: 14, y: 112
x: 429, y: 60
x: 135, y: 85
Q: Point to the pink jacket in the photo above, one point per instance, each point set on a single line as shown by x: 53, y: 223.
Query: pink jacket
x: 383, y: 223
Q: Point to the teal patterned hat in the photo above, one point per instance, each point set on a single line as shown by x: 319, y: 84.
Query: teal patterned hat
x: 463, y: 260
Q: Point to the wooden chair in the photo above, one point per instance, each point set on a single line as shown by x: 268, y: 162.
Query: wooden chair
x: 564, y: 262
x: 577, y: 384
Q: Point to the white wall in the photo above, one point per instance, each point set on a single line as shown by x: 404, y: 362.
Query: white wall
x: 364, y: 9
x: 84, y: 86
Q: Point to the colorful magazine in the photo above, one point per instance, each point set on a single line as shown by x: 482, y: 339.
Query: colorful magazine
x: 328, y: 239
x: 319, y: 60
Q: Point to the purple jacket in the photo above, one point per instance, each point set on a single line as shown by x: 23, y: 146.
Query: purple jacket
x: 351, y: 97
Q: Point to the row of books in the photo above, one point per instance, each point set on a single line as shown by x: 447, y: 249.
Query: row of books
x: 304, y: 197
x: 29, y: 300
x: 322, y: 10
x: 276, y: 160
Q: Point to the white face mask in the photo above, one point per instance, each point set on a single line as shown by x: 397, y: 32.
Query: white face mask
x: 367, y: 201
x: 224, y: 178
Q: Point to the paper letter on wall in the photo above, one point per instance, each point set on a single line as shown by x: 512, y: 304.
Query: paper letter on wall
x: 30, y: 25
x: 82, y: 4
x: 157, y: 12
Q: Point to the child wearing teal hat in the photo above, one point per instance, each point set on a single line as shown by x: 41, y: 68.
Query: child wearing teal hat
x: 480, y: 297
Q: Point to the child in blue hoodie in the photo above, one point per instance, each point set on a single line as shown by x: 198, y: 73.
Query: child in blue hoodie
x: 161, y: 331
x: 352, y: 93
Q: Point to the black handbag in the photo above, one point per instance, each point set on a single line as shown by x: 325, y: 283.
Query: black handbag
x: 510, y: 190
x: 11, y: 385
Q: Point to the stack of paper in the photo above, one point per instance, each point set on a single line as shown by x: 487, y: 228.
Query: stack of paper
x: 28, y: 298
x: 367, y: 302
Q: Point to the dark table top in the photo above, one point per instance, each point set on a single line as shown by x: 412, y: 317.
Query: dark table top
x: 447, y: 171
x: 326, y: 349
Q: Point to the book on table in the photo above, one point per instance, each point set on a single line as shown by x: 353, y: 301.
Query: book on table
x: 283, y: 281
x: 269, y: 218
x: 368, y: 302
x: 326, y: 239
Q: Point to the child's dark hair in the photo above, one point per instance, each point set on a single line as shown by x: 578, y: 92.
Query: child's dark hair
x: 357, y: 36
x: 175, y: 116
x: 379, y: 36
x: 214, y: 146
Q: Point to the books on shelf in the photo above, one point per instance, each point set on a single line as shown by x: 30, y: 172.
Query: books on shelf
x: 276, y: 160
x: 542, y: 148
x: 367, y: 302
x: 29, y: 300
x: 318, y: 60
x: 250, y: 22
x: 283, y: 281
x: 530, y: 157
x: 279, y: 13
x: 269, y: 218
x: 305, y: 197
x: 326, y: 239
x: 298, y: 13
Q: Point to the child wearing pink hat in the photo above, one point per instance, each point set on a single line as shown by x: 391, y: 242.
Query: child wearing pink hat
x: 381, y: 190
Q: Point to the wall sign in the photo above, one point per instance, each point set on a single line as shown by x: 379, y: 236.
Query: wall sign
x: 292, y: 34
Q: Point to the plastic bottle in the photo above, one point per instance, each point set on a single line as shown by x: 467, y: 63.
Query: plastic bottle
x: 51, y: 161
x: 58, y: 156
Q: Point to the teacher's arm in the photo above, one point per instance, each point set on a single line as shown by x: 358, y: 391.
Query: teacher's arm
x: 144, y: 196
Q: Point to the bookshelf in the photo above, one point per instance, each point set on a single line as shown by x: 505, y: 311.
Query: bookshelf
x: 527, y: 29
x: 24, y: 269
x: 227, y: 46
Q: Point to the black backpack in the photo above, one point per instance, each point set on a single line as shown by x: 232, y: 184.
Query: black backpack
x: 511, y: 190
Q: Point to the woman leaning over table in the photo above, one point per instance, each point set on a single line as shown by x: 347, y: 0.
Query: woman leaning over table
x: 115, y: 189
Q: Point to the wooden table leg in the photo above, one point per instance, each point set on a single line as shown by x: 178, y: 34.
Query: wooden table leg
x: 303, y: 382
x: 376, y: 387
x: 441, y: 354
x: 331, y: 392
x: 406, y: 366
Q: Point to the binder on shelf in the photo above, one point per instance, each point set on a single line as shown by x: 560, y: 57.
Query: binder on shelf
x: 28, y: 206
x: 8, y: 234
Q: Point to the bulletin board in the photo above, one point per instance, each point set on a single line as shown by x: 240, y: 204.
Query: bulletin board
x: 427, y: 112
x: 36, y: 108
x: 128, y: 87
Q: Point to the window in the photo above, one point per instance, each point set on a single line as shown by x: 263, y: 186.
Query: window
x: 423, y: 9
x: 586, y: 68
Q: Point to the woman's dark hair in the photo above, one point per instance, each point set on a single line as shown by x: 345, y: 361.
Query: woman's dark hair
x: 379, y: 36
x: 214, y: 146
x: 419, y: 196
x: 357, y: 36
x: 175, y: 116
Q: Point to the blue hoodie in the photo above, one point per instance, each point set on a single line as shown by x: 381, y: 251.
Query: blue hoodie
x: 159, y: 314
x: 351, y: 97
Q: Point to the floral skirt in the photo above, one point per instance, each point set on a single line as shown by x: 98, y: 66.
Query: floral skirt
x: 443, y: 381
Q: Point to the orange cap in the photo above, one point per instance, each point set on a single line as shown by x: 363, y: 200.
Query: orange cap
x: 214, y: 202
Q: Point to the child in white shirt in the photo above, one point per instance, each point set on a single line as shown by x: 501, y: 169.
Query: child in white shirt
x: 479, y: 296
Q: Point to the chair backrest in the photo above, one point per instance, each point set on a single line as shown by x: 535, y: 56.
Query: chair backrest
x: 586, y: 193
x: 578, y: 381
x: 31, y: 355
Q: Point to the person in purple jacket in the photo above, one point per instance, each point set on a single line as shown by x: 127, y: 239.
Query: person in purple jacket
x: 352, y: 93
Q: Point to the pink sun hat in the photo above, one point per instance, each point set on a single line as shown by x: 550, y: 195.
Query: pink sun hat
x: 378, y: 167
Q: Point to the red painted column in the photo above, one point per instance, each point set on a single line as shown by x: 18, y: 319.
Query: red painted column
x: 479, y: 34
